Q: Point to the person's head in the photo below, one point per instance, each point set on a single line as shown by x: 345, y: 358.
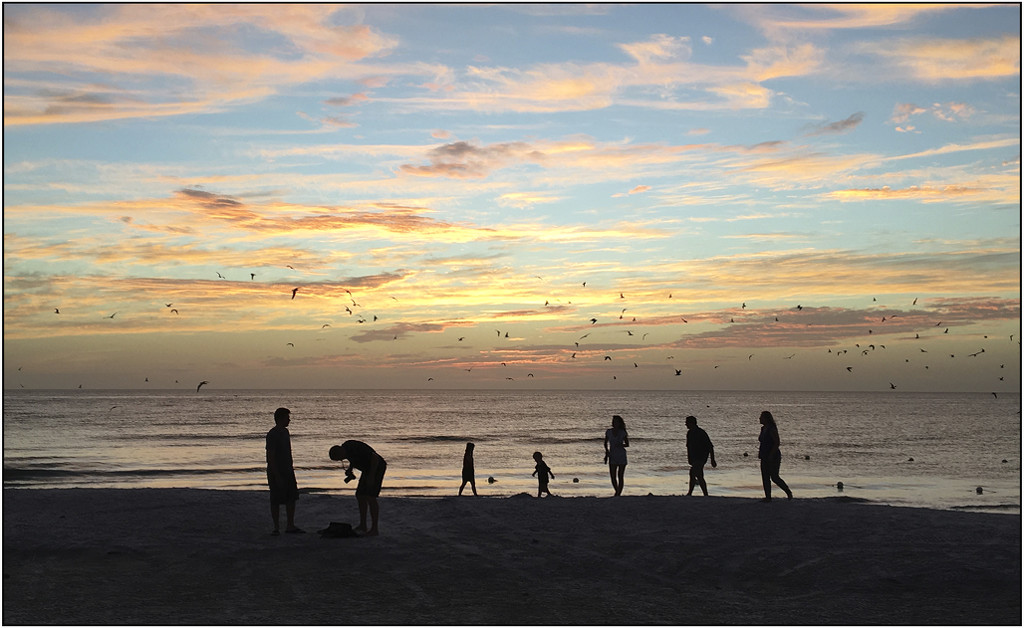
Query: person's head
x: 537, y: 456
x: 618, y: 423
x: 282, y: 416
x: 469, y: 447
x: 338, y: 453
x: 767, y: 418
x: 691, y: 421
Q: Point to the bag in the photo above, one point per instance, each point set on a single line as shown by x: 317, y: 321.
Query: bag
x: 337, y: 530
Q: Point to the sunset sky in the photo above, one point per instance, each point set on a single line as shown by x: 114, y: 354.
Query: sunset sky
x: 651, y: 196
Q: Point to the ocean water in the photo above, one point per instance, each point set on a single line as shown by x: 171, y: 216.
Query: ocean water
x: 907, y: 449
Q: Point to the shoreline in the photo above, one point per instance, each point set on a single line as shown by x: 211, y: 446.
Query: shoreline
x: 194, y: 556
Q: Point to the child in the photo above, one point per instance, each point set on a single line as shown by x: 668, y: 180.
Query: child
x: 542, y: 471
x: 468, y: 472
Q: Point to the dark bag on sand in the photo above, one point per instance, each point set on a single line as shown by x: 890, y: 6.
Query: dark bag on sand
x: 337, y: 530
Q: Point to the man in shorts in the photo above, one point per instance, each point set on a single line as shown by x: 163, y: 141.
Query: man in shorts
x: 280, y: 474
x: 698, y: 448
x: 372, y: 467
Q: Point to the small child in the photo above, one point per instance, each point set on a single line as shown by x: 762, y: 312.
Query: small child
x: 468, y: 472
x: 542, y: 471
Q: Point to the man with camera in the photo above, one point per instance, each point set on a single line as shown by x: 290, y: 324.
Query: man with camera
x: 372, y: 467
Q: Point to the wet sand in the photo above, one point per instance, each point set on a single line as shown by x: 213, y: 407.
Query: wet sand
x: 184, y: 556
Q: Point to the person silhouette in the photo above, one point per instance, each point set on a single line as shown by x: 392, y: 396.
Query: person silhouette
x: 542, y: 471
x: 372, y: 468
x: 616, y: 439
x: 468, y: 472
x: 280, y: 473
x: 771, y: 457
x: 698, y: 448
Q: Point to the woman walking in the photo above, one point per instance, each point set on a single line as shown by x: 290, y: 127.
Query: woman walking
x: 771, y: 457
x: 616, y: 440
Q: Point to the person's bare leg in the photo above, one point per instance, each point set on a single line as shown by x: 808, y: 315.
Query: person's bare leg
x: 362, y: 513
x: 289, y: 509
x: 622, y: 478
x: 275, y: 514
x: 374, y: 510
x: 462, y: 487
x: 472, y: 483
x: 693, y: 481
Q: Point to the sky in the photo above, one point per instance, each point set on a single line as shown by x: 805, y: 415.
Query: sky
x: 619, y: 197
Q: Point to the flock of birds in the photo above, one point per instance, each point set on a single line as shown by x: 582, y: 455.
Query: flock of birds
x: 578, y: 349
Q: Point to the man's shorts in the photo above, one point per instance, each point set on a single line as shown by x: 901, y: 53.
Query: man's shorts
x: 369, y: 485
x: 283, y: 492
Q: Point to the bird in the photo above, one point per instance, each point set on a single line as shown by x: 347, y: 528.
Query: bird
x: 915, y: 302
x: 849, y: 368
x: 294, y: 290
x: 252, y: 276
x: 175, y: 310
x: 220, y: 275
x: 325, y: 326
x: 56, y: 310
x: 461, y: 338
x: 291, y: 344
x: 679, y: 371
x: 593, y: 320
x: 744, y: 306
x: 112, y: 315
x: 201, y: 384
x: 892, y: 386
x: 607, y: 357
x: 491, y: 480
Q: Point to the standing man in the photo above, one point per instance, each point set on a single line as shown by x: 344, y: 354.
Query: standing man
x: 372, y: 467
x: 698, y: 448
x: 280, y: 474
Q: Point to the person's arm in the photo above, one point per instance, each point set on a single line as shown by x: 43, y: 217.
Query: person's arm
x: 711, y: 447
x: 625, y: 439
x: 606, y: 446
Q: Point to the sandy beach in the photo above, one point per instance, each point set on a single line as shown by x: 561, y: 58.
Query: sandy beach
x: 183, y: 556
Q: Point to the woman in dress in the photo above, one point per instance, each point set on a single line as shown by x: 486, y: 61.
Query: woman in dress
x: 771, y: 457
x: 616, y: 440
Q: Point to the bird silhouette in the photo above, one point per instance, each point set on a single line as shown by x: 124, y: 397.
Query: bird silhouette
x: 679, y: 371
x: 175, y: 310
x: 56, y: 310
x: 294, y: 290
x: 252, y: 276
x: 201, y: 384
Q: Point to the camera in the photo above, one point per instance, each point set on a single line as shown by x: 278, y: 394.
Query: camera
x: 349, y: 476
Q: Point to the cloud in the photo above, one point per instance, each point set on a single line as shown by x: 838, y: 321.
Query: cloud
x: 464, y: 160
x: 639, y: 189
x: 106, y: 51
x: 842, y: 126
x: 942, y: 60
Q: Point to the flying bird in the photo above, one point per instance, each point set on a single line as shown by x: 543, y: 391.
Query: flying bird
x: 201, y: 384
x: 607, y: 357
x: 593, y: 320
x: 294, y: 290
x: 220, y: 275
x: 175, y: 310
x: 112, y: 315
x: 252, y: 276
x: 56, y: 310
x: 679, y: 371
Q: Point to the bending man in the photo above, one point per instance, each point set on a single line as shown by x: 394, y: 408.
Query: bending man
x: 372, y: 467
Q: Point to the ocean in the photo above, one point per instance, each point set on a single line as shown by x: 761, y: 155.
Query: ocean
x: 934, y: 450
